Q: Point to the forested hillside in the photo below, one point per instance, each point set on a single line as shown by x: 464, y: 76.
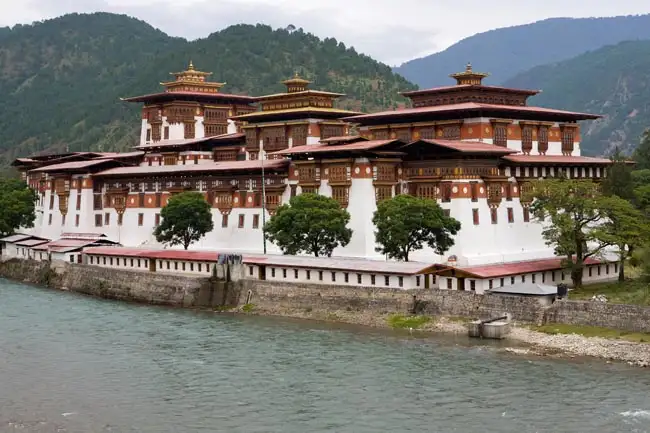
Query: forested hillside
x: 61, y: 80
x: 508, y: 51
x: 613, y: 81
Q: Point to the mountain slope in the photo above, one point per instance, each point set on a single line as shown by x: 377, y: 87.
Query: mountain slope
x: 613, y: 81
x: 61, y: 80
x: 507, y: 51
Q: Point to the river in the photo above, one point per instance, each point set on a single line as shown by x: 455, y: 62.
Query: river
x: 70, y: 363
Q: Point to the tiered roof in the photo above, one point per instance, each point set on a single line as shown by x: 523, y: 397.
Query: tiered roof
x: 192, y: 85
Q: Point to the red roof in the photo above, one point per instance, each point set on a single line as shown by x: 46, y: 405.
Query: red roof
x: 70, y: 166
x: 325, y: 263
x: 272, y: 164
x: 343, y: 138
x: 469, y: 86
x: 188, y: 141
x: 195, y: 95
x: 320, y: 148
x: 31, y: 242
x: 16, y: 238
x: 516, y: 268
x: 473, y: 106
x: 556, y: 159
x: 466, y: 146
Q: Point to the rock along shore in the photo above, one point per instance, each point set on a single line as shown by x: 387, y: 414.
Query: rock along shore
x: 534, y: 343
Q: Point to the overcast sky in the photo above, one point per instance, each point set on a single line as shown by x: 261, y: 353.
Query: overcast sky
x: 392, y: 31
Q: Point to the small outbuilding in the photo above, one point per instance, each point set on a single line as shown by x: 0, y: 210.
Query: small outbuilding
x: 545, y: 293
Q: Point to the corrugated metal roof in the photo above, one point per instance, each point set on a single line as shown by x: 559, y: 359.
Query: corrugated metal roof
x: 188, y: 141
x: 31, y: 242
x: 321, y: 148
x: 198, y: 95
x: 343, y: 138
x: 466, y: 146
x: 526, y: 289
x: 74, y: 165
x: 85, y: 236
x: 121, y: 155
x: 196, y: 168
x: 472, y: 106
x: 516, y: 268
x: 323, y: 263
x: 16, y: 238
x: 556, y: 159
x: 468, y: 86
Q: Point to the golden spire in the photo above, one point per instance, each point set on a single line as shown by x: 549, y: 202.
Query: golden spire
x: 469, y: 77
x: 191, y: 66
x: 192, y: 80
x: 296, y: 83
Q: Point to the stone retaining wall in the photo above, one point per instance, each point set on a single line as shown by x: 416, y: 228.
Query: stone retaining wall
x: 632, y: 318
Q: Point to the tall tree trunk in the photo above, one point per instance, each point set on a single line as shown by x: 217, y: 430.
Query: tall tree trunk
x: 578, y: 265
x: 621, y: 268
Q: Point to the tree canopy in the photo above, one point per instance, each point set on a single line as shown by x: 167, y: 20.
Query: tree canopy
x: 17, y: 206
x: 185, y: 219
x: 581, y: 222
x: 309, y: 223
x: 406, y: 224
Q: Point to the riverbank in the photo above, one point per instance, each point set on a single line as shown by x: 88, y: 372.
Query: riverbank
x: 527, y: 342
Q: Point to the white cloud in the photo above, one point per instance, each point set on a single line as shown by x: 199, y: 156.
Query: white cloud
x: 388, y: 30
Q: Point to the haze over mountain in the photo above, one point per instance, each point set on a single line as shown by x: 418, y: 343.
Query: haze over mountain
x: 506, y: 52
x: 61, y: 80
x: 613, y: 81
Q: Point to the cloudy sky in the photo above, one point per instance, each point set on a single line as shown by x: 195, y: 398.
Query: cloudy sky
x: 392, y: 31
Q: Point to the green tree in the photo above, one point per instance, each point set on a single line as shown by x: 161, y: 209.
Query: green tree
x: 17, y: 203
x: 406, y: 223
x: 185, y: 219
x: 581, y: 222
x: 642, y: 152
x: 619, y: 180
x: 310, y: 223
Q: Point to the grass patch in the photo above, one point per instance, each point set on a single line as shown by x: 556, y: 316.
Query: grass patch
x: 247, y: 308
x: 593, y: 331
x: 399, y: 321
x: 636, y: 292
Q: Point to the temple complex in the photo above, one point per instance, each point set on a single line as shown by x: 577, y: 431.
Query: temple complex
x: 470, y: 146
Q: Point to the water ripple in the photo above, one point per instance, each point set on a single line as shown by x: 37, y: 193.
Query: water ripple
x: 74, y: 364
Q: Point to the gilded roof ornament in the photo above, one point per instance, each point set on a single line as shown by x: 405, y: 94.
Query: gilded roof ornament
x: 469, y: 77
x: 192, y: 80
x: 296, y: 83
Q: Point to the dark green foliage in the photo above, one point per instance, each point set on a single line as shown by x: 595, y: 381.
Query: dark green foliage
x: 612, y: 81
x: 17, y: 202
x: 406, y: 223
x: 507, y: 51
x: 642, y: 152
x: 310, y: 223
x: 61, y: 79
x: 619, y: 179
x: 185, y: 219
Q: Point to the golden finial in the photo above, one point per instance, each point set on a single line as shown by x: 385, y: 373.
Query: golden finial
x: 191, y: 67
x: 468, y: 68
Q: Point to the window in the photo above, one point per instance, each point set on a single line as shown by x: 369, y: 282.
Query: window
x: 140, y: 219
x: 62, y: 220
x: 493, y: 215
x: 533, y: 278
x: 512, y: 280
x: 511, y: 215
x: 107, y: 219
x: 590, y: 271
x: 188, y: 128
x: 256, y: 221
x: 308, y: 275
x: 616, y: 268
x: 79, y: 199
x: 543, y: 277
x: 386, y: 280
x: 51, y: 200
x: 273, y: 272
x: 448, y: 283
x: 156, y: 220
x: 320, y: 275
x: 598, y: 271
x: 475, y: 216
x: 250, y: 270
x: 502, y: 281
x: 474, y: 188
x: 400, y: 281
x: 120, y: 219
x: 241, y: 221
x: 76, y: 220
x: 166, y: 132
x: 148, y: 134
x: 72, y: 258
x: 607, y: 269
x: 346, y: 277
x: 526, y: 215
x: 224, y: 220
x: 417, y: 281
x: 175, y: 265
x: 447, y: 212
x: 333, y: 276
x: 372, y: 280
x: 472, y: 285
x: 284, y: 273
x: 182, y: 264
x: 523, y: 278
x: 562, y: 276
x: 295, y: 274
x: 553, y: 276
x: 111, y: 260
x: 49, y: 220
x: 104, y: 260
x: 91, y: 259
x: 491, y: 284
x: 359, y: 278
